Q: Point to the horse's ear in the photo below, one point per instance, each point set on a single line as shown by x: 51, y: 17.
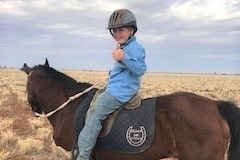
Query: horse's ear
x: 26, y: 69
x: 46, y: 63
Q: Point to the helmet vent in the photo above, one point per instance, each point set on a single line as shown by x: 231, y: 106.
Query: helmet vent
x: 116, y: 17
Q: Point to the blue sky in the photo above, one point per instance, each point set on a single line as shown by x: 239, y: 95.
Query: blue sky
x: 187, y: 36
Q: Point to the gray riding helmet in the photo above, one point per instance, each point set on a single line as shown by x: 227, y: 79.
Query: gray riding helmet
x: 122, y: 18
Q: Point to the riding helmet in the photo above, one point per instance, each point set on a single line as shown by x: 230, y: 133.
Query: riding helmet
x: 122, y: 18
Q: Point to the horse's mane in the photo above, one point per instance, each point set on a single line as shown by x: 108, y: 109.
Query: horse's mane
x: 64, y: 79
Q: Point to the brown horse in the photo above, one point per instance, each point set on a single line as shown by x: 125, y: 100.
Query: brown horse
x: 188, y: 126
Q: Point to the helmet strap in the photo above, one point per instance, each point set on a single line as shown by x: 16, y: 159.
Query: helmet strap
x: 110, y: 32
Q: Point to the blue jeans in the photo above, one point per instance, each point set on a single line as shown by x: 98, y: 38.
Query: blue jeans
x: 104, y: 105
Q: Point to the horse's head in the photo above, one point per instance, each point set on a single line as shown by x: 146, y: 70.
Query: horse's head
x: 48, y: 88
x: 32, y: 91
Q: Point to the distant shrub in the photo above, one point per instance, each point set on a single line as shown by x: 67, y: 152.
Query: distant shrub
x: 36, y: 123
x: 6, y: 124
x: 7, y: 138
x: 4, y: 155
x: 30, y: 146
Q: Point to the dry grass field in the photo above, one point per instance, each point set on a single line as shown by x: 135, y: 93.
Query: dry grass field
x: 25, y: 137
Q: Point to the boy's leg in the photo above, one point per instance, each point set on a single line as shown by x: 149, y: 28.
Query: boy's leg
x: 104, y: 105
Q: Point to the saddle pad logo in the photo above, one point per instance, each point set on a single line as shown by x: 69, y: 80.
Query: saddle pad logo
x: 136, y: 136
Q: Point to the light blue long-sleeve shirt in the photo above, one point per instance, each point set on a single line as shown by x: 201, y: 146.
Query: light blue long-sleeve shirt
x: 125, y: 77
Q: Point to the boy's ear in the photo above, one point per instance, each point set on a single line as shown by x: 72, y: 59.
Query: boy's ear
x: 132, y: 30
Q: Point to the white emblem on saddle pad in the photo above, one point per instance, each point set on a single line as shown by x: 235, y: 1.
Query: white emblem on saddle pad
x: 136, y: 137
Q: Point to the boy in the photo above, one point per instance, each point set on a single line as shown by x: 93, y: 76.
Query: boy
x: 124, y: 79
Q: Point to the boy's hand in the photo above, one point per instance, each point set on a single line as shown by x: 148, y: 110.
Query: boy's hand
x: 118, y: 53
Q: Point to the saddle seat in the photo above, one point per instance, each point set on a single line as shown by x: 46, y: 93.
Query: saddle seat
x: 133, y: 103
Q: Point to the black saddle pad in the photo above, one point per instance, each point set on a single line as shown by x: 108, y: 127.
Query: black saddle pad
x: 133, y: 130
x: 79, y: 116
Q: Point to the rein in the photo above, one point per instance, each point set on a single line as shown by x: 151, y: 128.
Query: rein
x: 65, y: 103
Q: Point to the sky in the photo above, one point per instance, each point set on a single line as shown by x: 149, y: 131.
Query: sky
x: 180, y: 36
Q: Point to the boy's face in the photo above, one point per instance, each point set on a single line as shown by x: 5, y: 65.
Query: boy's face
x: 121, y: 35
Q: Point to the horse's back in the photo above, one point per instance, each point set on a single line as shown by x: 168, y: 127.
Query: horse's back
x: 196, y: 125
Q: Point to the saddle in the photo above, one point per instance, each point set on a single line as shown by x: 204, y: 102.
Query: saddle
x: 130, y: 129
x: 79, y: 117
x: 133, y: 103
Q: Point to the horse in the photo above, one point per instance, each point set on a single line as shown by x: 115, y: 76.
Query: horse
x: 187, y: 126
